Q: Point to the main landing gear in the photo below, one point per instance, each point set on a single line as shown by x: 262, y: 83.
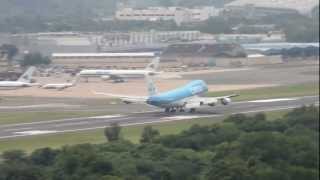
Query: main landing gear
x: 173, y: 110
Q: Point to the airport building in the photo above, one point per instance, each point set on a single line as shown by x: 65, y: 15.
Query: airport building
x: 215, y: 54
x: 260, y: 8
x: 102, y: 60
x: 148, y: 37
x: 177, y: 14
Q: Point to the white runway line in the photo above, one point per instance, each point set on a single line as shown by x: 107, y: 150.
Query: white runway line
x: 72, y: 124
x: 273, y: 100
x: 40, y: 106
x: 49, y: 121
x: 18, y: 129
x: 35, y: 132
x: 188, y: 117
x: 106, y: 116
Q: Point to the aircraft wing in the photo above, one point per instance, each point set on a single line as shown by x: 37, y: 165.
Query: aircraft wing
x: 126, y: 99
x: 197, y: 101
x: 229, y: 96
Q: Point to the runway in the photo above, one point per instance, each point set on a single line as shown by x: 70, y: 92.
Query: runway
x: 90, y: 123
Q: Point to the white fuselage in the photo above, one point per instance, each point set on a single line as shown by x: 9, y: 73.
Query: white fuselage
x: 15, y: 84
x: 117, y: 73
x: 57, y: 86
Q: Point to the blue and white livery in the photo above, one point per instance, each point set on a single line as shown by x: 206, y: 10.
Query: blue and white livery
x: 180, y: 99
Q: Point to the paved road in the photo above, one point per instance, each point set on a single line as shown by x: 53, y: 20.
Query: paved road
x: 88, y: 123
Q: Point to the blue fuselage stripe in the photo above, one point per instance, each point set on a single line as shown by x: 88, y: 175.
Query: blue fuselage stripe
x: 170, y: 97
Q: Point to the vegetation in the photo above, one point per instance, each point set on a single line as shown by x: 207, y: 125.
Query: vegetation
x: 149, y: 134
x: 74, y: 15
x: 112, y: 133
x: 241, y: 147
x: 11, y: 50
x: 32, y: 59
x: 298, y: 28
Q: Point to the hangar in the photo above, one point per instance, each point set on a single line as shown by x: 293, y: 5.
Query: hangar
x: 105, y: 60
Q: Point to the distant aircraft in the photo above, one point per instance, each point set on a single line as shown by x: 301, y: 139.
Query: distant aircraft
x: 121, y: 75
x: 180, y: 99
x: 22, y: 82
x: 61, y: 86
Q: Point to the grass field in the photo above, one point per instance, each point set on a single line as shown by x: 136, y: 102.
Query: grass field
x: 132, y: 133
x: 272, y: 92
x: 26, y: 117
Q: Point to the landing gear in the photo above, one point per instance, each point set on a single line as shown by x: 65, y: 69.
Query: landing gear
x: 192, y: 110
x: 173, y: 110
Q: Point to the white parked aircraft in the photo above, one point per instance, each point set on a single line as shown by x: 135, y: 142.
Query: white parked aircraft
x: 180, y: 99
x: 121, y: 75
x: 61, y: 86
x: 22, y: 82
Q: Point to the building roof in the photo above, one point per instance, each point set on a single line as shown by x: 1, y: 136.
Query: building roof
x: 143, y: 54
x: 205, y: 50
x: 302, y: 6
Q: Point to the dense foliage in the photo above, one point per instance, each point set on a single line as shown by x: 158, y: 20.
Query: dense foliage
x: 240, y: 148
x: 72, y: 15
x: 18, y: 16
x: 10, y: 50
x: 33, y: 59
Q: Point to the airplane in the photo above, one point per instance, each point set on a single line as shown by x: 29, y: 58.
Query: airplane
x: 24, y: 81
x: 61, y: 86
x: 180, y: 99
x: 121, y: 75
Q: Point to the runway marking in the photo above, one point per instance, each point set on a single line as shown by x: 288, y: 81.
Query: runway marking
x: 188, y: 117
x: 45, y: 122
x: 272, y: 100
x: 39, y: 106
x: 17, y: 129
x: 268, y: 110
x: 35, y: 132
x: 106, y: 117
x: 72, y: 124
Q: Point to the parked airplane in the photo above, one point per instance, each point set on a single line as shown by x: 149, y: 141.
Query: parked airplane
x: 180, y: 99
x: 22, y: 82
x: 121, y: 75
x: 61, y: 86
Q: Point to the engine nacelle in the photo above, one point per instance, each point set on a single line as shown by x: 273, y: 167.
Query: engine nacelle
x: 127, y: 102
x: 105, y: 78
x: 210, y: 102
x: 226, y: 101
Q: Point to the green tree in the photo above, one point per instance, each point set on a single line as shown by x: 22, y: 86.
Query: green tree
x: 32, y: 59
x: 149, y: 134
x: 10, y: 49
x: 112, y: 133
x: 14, y: 155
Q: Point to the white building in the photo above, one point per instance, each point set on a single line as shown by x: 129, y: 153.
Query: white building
x: 301, y: 6
x: 149, y: 37
x: 177, y: 14
x: 102, y: 60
